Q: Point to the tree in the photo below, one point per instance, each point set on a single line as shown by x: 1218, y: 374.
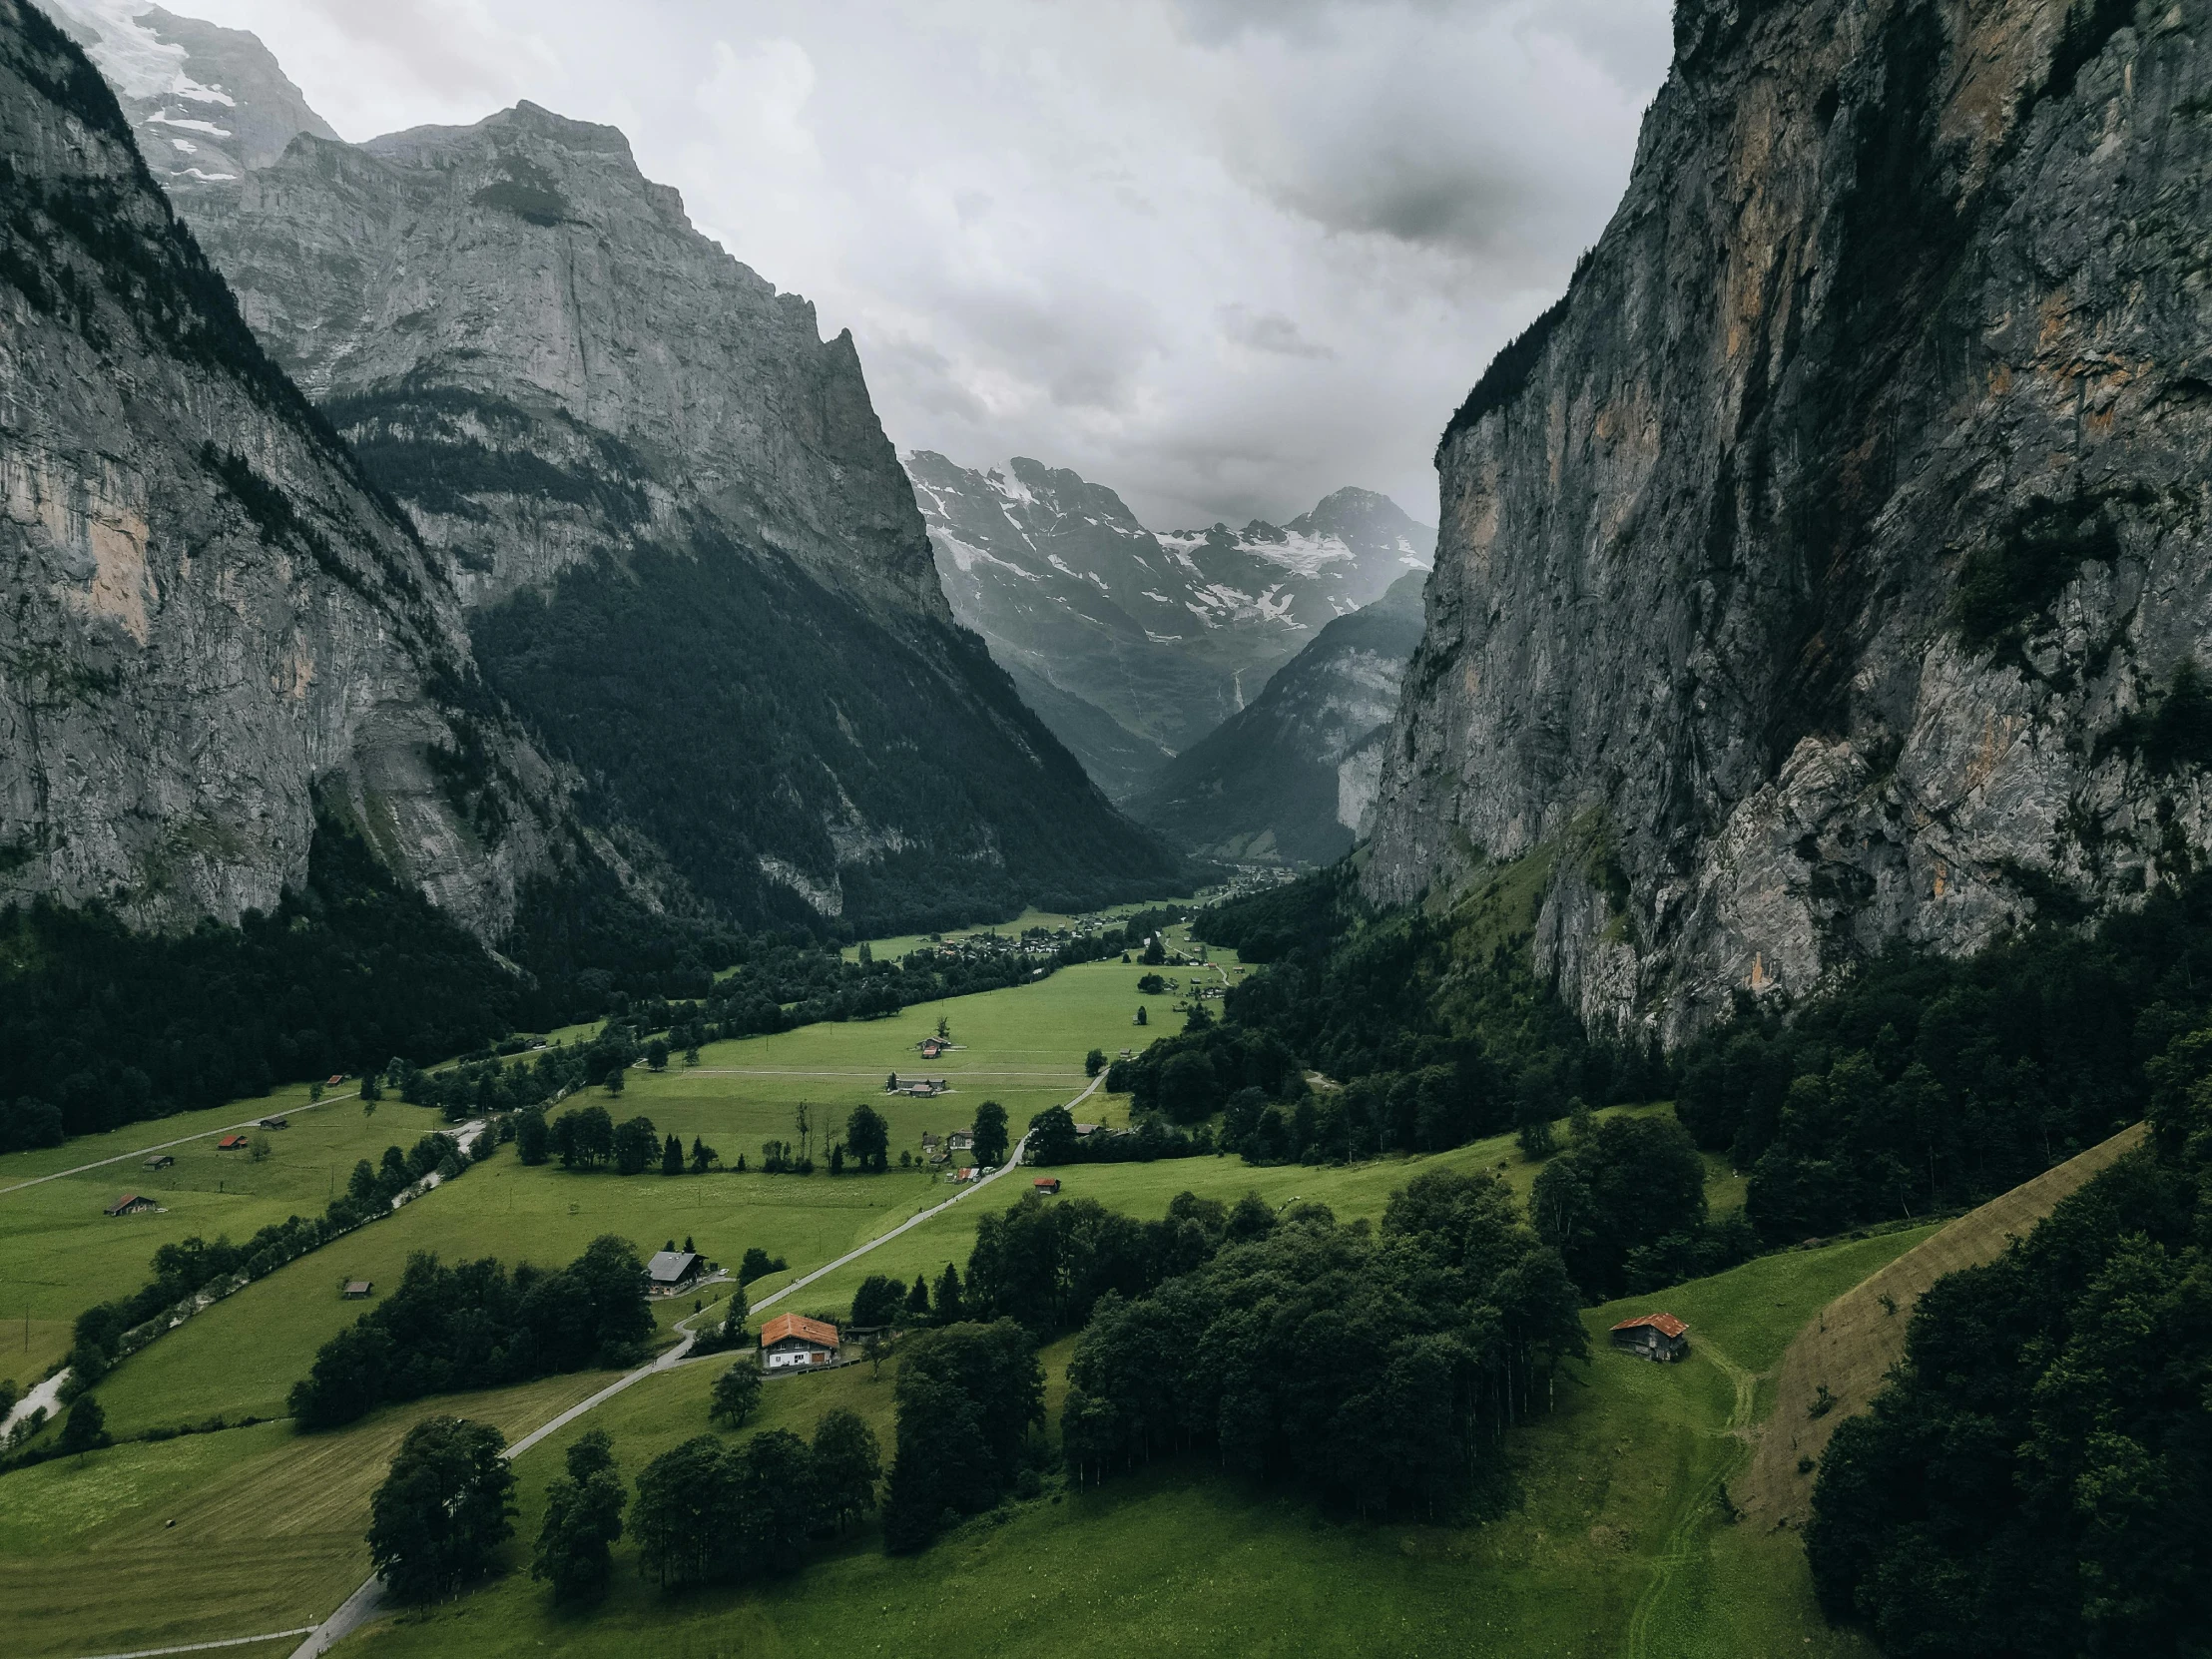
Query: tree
x: 757, y: 1264
x: 703, y: 1156
x: 584, y: 1138
x: 966, y: 1398
x: 779, y: 1500
x: 656, y: 1055
x: 837, y: 1160
x: 636, y: 1144
x: 616, y: 1076
x: 891, y: 1083
x: 737, y: 1394
x: 531, y: 1139
x: 85, y: 1428
x: 672, y: 1156
x: 1629, y: 1183
x: 944, y: 1029
x: 949, y: 1296
x: 848, y: 1464
x: 878, y: 1300
x: 372, y: 1089
x: 869, y: 1136
x: 259, y: 1148
x: 990, y: 1133
x: 1143, y: 1018
x: 443, y: 1509
x: 583, y: 1518
x: 917, y: 1298
x: 1094, y: 1062
x: 688, y: 1515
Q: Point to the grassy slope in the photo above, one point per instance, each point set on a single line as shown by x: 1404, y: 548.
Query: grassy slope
x: 1850, y: 1347
x: 1617, y: 1518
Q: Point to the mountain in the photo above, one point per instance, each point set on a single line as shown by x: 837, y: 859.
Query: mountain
x: 1826, y: 567
x: 1166, y: 635
x: 204, y: 102
x: 692, y: 562
x: 1292, y: 776
x: 217, y: 631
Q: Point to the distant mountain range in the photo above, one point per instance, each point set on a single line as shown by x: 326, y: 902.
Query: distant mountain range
x: 1291, y: 777
x: 683, y: 624
x: 1132, y: 645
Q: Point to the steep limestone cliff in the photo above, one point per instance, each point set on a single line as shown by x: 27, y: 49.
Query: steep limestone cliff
x: 212, y: 620
x: 1831, y: 565
x: 694, y: 565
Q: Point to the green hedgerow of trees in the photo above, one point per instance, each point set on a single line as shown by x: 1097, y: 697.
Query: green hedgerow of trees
x: 443, y: 1510
x: 476, y: 1325
x: 968, y: 1398
x: 2033, y: 1478
x: 1378, y: 1370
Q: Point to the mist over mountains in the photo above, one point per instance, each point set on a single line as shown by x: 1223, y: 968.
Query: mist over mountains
x: 1165, y: 634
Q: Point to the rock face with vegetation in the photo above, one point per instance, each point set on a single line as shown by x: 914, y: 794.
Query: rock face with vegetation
x: 1292, y: 776
x: 694, y: 565
x: 1828, y: 566
x: 216, y: 622
x: 1134, y: 645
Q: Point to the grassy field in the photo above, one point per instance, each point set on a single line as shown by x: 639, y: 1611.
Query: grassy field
x: 1616, y: 1545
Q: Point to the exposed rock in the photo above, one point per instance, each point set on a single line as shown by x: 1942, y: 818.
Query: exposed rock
x: 212, y: 619
x: 694, y: 562
x: 1837, y: 539
x: 1293, y: 776
x: 1167, y: 635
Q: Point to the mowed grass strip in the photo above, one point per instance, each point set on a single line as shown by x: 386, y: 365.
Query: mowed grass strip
x: 268, y: 1535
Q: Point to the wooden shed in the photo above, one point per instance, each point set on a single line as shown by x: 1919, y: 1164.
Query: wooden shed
x: 130, y: 1204
x: 1659, y: 1337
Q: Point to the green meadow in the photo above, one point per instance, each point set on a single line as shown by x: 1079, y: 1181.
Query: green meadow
x: 1614, y: 1544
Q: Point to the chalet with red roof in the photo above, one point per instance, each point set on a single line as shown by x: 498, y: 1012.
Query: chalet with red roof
x: 791, y: 1341
x: 231, y: 1143
x: 1659, y: 1337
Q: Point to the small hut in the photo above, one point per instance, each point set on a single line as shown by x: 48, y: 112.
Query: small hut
x: 1659, y: 1337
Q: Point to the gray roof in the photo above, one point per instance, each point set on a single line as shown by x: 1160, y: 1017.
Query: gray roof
x: 671, y: 1266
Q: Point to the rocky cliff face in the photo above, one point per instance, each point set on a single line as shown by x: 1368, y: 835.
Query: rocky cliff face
x: 213, y: 622
x: 1831, y: 565
x: 1167, y: 635
x: 694, y: 563
x: 1292, y: 778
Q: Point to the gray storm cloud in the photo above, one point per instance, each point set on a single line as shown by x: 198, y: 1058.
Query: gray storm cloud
x: 1225, y: 256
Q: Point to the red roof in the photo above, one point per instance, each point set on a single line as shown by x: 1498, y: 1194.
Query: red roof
x: 1665, y: 1323
x: 785, y: 1326
x: 230, y: 1143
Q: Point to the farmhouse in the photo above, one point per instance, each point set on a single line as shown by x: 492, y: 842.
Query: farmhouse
x: 231, y: 1143
x: 1046, y: 1183
x: 356, y: 1289
x: 1653, y: 1336
x: 931, y: 1047
x: 160, y: 1160
x: 925, y: 1088
x: 790, y: 1340
x: 130, y: 1204
x: 1084, y: 1131
x: 960, y: 1141
x: 670, y: 1270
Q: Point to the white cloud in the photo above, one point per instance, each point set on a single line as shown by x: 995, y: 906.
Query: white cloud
x: 1223, y: 254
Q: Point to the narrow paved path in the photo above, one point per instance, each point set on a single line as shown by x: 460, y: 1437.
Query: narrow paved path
x: 182, y: 1140
x: 202, y: 1647
x: 364, y: 1603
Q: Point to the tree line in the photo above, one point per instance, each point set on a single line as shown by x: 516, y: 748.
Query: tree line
x: 475, y: 1325
x: 1378, y: 1370
x: 2033, y: 1478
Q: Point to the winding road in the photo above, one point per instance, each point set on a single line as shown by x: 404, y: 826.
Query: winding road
x: 364, y: 1603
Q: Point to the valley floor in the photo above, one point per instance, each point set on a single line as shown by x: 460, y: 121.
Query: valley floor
x: 1616, y: 1543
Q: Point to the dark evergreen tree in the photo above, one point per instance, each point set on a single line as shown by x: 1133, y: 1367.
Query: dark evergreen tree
x: 442, y: 1510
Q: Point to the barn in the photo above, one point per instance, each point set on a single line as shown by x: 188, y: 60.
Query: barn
x: 670, y: 1270
x: 1046, y: 1184
x: 130, y: 1204
x: 790, y: 1342
x: 1659, y: 1337
x: 231, y: 1143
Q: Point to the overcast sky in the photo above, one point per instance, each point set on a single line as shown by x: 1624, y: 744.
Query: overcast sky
x: 1224, y: 256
